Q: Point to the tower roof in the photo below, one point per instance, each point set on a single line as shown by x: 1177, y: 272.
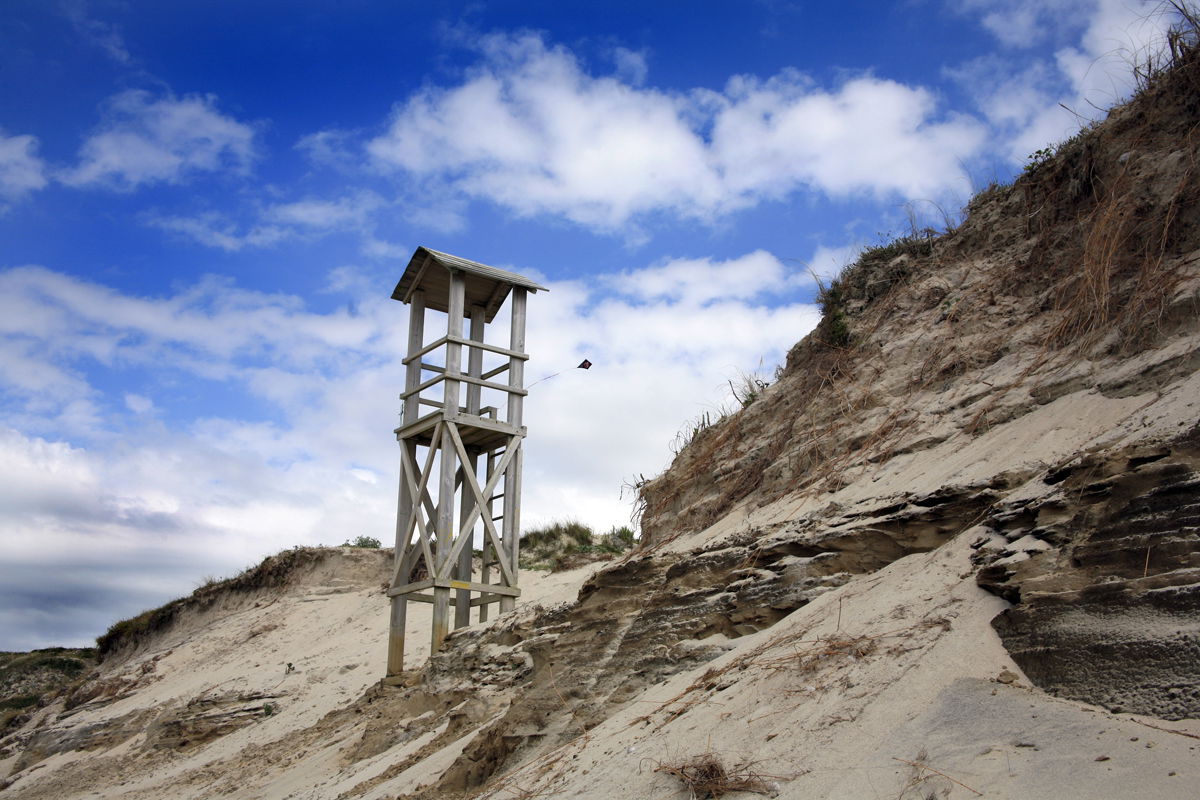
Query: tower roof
x: 486, y: 286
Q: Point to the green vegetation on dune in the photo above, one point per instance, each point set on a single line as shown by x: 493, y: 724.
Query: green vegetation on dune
x: 565, y: 544
x: 272, y: 571
x: 27, y: 678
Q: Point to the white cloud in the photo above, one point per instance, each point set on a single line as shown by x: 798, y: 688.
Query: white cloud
x: 214, y: 230
x: 330, y: 148
x: 145, y: 140
x: 103, y: 35
x: 299, y: 219
x: 138, y: 404
x: 874, y: 136
x: 698, y: 282
x: 827, y: 262
x: 1097, y: 45
x: 531, y: 130
x: 1025, y: 23
x: 1120, y: 35
x: 383, y: 249
x: 345, y: 212
x: 138, y: 487
x: 21, y: 171
x: 631, y: 65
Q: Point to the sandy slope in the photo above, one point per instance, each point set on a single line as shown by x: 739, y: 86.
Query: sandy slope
x: 910, y: 676
x: 834, y: 701
x: 228, y: 666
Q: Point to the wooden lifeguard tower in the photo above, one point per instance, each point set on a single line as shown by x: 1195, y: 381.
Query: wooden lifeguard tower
x: 443, y: 502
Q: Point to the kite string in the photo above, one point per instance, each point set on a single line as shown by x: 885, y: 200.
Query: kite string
x: 585, y: 364
x: 539, y: 380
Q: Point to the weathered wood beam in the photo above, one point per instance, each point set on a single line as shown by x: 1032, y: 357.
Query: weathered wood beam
x: 511, y: 352
x: 420, y: 586
x: 448, y: 465
x: 513, y: 448
x: 470, y: 468
x: 500, y: 387
x: 511, y: 523
x: 422, y: 350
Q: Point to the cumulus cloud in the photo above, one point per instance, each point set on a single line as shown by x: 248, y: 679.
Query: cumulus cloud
x: 530, y: 129
x: 1097, y: 46
x: 698, y: 282
x: 148, y: 492
x: 871, y: 135
x: 146, y: 140
x: 827, y: 262
x: 21, y: 171
x: 1025, y: 23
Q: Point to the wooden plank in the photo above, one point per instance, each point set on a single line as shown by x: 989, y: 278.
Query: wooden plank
x: 500, y: 387
x: 479, y: 601
x: 513, y: 449
x: 491, y: 373
x: 470, y: 466
x: 454, y: 327
x: 493, y: 425
x: 462, y: 611
x: 403, y: 554
x: 512, y: 520
x: 420, y: 426
x: 396, y: 623
x: 422, y: 387
x: 412, y: 374
x: 409, y: 472
x: 413, y: 287
x: 496, y: 299
x: 509, y: 591
x: 408, y: 588
x: 408, y: 503
x: 511, y: 352
x: 483, y: 601
x: 486, y: 411
x: 470, y: 586
x: 488, y: 550
x: 475, y: 360
x: 512, y: 479
x: 413, y: 355
x: 449, y: 467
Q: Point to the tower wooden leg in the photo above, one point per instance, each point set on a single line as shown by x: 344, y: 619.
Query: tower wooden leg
x: 441, y: 617
x: 395, y: 661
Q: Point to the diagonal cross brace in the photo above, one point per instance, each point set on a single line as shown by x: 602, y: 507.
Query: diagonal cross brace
x: 476, y: 513
x: 420, y: 497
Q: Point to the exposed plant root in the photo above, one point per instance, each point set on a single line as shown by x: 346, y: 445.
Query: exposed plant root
x: 707, y: 776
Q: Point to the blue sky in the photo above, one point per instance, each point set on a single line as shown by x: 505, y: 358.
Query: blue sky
x: 204, y: 207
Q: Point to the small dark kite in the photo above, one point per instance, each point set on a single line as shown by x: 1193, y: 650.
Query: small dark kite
x: 585, y: 364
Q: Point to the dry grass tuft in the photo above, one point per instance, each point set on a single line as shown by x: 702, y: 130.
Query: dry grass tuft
x: 822, y: 651
x: 706, y: 776
x: 922, y: 773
